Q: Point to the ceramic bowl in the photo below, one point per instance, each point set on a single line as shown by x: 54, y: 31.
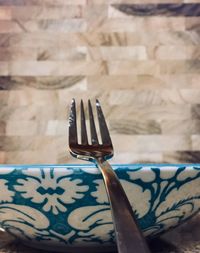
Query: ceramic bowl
x: 65, y: 207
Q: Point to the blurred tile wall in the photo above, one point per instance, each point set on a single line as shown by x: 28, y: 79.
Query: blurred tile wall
x: 140, y: 58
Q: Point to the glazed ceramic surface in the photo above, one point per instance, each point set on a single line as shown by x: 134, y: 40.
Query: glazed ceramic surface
x: 66, y: 206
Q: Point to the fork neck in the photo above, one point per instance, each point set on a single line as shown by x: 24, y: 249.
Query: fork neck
x: 100, y: 159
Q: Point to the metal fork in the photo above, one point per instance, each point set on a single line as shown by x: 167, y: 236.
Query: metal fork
x: 129, y: 237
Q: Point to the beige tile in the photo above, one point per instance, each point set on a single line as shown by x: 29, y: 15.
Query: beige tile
x: 61, y: 54
x: 179, y: 66
x: 144, y: 1
x: 5, y: 13
x: 191, y: 1
x: 63, y: 2
x: 46, y: 68
x: 4, y: 40
x: 133, y: 157
x: 47, y: 12
x: 26, y: 112
x: 192, y: 23
x: 181, y: 157
x: 51, y: 127
x: 174, y: 52
x: 129, y: 81
x: 42, y: 127
x: 21, y: 128
x: 46, y: 40
x: 60, y: 26
x: 133, y: 67
x: 195, y: 111
x: 44, y: 83
x: 191, y: 96
x: 131, y: 126
x: 10, y: 27
x: 181, y: 81
x: 2, y: 157
x: 3, y: 68
x: 3, y: 96
x: 62, y: 130
x: 96, y: 14
x: 195, y: 142
x: 48, y: 2
x: 150, y: 112
x: 33, y: 68
x: 116, y: 25
x: 5, y: 54
x: 56, y: 128
x: 56, y: 26
x: 31, y: 157
x: 41, y: 112
x: 131, y: 97
x: 176, y: 127
x: 2, y: 128
x: 30, y: 143
x: 160, y: 23
x: 23, y: 54
x: 65, y: 96
x: 17, y: 54
x: 117, y: 53
x: 168, y: 38
x: 195, y: 80
x: 155, y: 97
x: 153, y: 143
x: 20, y: 98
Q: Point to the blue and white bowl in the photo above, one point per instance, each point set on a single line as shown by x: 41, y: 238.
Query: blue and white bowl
x: 65, y: 207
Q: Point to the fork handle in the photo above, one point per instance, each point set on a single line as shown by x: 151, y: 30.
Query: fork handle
x: 128, y: 234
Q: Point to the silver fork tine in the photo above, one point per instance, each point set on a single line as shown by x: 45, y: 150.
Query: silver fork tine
x: 93, y: 131
x: 73, y: 138
x: 84, y: 138
x: 105, y: 136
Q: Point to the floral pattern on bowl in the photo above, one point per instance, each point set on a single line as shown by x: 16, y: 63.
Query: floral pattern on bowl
x: 66, y: 206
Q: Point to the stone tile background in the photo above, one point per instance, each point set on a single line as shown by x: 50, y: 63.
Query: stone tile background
x: 140, y: 58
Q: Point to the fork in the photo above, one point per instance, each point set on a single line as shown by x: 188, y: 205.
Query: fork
x: 128, y: 235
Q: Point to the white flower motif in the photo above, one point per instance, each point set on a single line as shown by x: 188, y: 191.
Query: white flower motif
x: 92, y: 222
x: 51, y: 187
x: 6, y: 194
x: 134, y: 193
x: 145, y: 174
x: 23, y: 221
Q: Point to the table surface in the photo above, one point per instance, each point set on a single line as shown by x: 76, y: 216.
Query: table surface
x: 183, y: 239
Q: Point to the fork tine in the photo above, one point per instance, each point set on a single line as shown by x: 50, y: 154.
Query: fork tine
x: 92, y: 125
x: 105, y: 136
x: 73, y: 138
x: 84, y: 138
